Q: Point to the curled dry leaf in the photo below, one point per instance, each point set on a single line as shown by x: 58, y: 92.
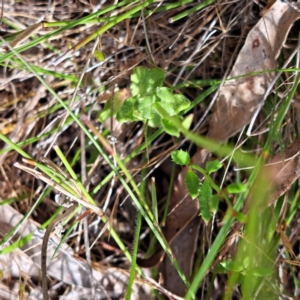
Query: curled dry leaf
x: 239, y: 98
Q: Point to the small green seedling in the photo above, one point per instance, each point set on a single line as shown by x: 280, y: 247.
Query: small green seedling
x: 147, y: 94
x: 208, y: 202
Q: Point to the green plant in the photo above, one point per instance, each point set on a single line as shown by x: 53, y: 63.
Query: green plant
x: 148, y: 94
x: 202, y: 191
x: 253, y: 270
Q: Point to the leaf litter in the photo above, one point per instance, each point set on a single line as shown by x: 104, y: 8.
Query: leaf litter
x: 235, y: 106
x: 239, y: 98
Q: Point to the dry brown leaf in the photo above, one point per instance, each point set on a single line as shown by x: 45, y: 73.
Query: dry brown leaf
x: 286, y: 242
x: 183, y: 247
x: 64, y: 266
x: 292, y: 262
x: 239, y: 98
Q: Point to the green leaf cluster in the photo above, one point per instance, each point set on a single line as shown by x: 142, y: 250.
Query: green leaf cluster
x: 147, y: 92
x: 208, y: 202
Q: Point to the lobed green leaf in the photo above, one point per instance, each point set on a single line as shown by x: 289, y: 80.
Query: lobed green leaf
x: 145, y: 81
x: 181, y: 157
x: 173, y: 104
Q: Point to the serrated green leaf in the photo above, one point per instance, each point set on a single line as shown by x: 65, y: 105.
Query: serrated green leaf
x: 169, y: 128
x: 205, y: 195
x: 213, y: 166
x: 236, y: 188
x: 180, y: 157
x: 173, y: 104
x: 192, y: 183
x: 214, y: 203
x: 145, y: 81
x: 126, y: 112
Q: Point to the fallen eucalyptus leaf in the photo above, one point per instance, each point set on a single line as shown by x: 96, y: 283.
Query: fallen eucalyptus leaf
x: 239, y: 98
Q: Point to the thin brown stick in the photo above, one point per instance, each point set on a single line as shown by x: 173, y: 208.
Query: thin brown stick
x: 58, y: 219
